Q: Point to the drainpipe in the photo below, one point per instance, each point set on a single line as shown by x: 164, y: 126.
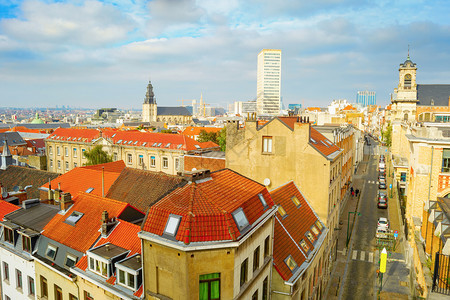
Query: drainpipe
x: 429, y: 191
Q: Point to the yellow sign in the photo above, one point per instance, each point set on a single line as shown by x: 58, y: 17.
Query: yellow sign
x: 383, y: 260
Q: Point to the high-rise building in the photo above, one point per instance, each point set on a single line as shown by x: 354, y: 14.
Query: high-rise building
x: 365, y: 98
x: 269, y: 82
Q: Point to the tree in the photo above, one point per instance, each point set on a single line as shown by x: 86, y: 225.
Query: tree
x: 222, y: 139
x: 205, y: 136
x: 97, y: 156
x: 387, y: 135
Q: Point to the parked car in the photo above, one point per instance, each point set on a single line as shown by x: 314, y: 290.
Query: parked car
x: 383, y: 224
x: 382, y: 195
x: 382, y: 180
x: 382, y: 185
x: 381, y: 176
x: 382, y: 203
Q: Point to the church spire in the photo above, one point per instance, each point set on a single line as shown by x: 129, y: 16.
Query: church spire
x: 408, y: 53
x: 149, y: 96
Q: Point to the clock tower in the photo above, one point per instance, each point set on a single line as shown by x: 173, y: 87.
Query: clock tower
x: 405, y: 95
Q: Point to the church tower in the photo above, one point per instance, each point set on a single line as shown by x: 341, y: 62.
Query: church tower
x: 405, y: 95
x: 149, y: 109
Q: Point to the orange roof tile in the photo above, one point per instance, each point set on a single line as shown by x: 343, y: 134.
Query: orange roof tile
x: 289, y: 121
x: 71, y: 134
x: 86, y: 231
x: 290, y: 230
x: 313, y: 109
x: 206, y: 207
x: 321, y: 143
x: 349, y: 107
x: 191, y: 130
x: 115, y: 166
x: 124, y: 235
x: 6, y: 208
x: 140, y: 291
x: 80, y: 179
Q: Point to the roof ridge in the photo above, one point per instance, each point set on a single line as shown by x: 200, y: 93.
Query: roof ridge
x: 292, y: 239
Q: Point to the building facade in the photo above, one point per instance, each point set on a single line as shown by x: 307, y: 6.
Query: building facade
x: 268, y: 91
x: 365, y: 98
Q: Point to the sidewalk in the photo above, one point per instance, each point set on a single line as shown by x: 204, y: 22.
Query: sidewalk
x: 339, y: 264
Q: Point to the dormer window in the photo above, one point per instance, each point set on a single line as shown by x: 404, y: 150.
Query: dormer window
x: 71, y: 260
x: 8, y: 234
x: 129, y: 272
x: 26, y: 243
x: 51, y: 251
x: 102, y: 258
x: 172, y: 225
x: 240, y: 219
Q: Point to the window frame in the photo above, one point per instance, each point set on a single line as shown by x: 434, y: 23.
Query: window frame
x: 256, y: 254
x: 263, y: 201
x: 267, y: 144
x: 58, y: 151
x: 5, y: 271
x: 291, y: 259
x: 165, y: 162
x: 152, y: 161
x: 240, y: 227
x: 243, y: 277
x: 75, y: 152
x: 66, y: 151
x: 129, y: 158
x: 293, y: 198
x: 8, y: 235
x: 140, y: 159
x: 28, y: 242
x: 209, y: 282
x: 178, y: 220
x: 70, y: 257
x: 44, y: 283
x: 31, y: 286
x: 19, y: 279
x: 50, y: 150
x: 47, y: 251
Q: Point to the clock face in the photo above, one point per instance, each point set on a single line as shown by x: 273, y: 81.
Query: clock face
x: 408, y: 76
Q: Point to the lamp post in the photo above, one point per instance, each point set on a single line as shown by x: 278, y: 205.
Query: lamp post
x: 348, y: 224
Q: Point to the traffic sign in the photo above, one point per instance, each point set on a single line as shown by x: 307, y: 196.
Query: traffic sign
x: 390, y: 186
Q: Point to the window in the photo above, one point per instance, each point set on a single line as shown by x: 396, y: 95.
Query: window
x: 403, y: 176
x: 88, y: 296
x: 304, y: 246
x: 256, y: 259
x: 267, y: 144
x: 51, y: 163
x: 177, y: 164
x: 66, y: 151
x: 98, y: 267
x: 131, y: 280
x: 315, y: 230
x: 255, y: 295
x: 50, y: 150
x: 59, y: 164
x: 67, y: 165
x: 31, y: 286
x: 75, y: 152
x: 129, y: 158
x: 152, y: 161
x: 263, y: 201
x: 244, y: 267
x: 115, y: 156
x: 141, y: 159
x: 290, y: 262
x: 296, y: 201
x: 58, y: 293
x: 122, y: 276
x: 26, y: 243
x: 310, y: 237
x: 18, y: 279
x: 44, y: 287
x: 172, y: 225
x: 5, y: 271
x: 75, y: 216
x: 240, y: 219
x: 9, y: 235
x: 319, y: 225
x: 72, y: 297
x: 57, y: 151
x: 165, y: 162
x: 267, y: 246
x: 7, y: 297
x: 265, y: 288
x: 82, y: 151
x: 51, y: 251
x: 71, y: 260
x: 209, y: 286
x: 282, y: 212
x: 75, y: 165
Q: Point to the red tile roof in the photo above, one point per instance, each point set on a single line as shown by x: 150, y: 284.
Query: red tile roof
x: 349, y: 107
x: 291, y: 229
x: 38, y: 143
x: 80, y: 179
x: 289, y: 121
x: 321, y: 143
x: 115, y: 166
x: 6, y: 208
x: 313, y: 109
x: 192, y: 131
x: 206, y: 207
x: 86, y: 231
x: 131, y: 138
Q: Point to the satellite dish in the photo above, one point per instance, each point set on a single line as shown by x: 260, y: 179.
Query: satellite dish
x: 5, y: 195
x: 16, y: 188
x: 267, y: 182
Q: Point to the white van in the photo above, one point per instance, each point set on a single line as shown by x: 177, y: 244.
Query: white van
x: 382, y: 165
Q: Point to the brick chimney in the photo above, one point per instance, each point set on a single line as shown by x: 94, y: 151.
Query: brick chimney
x: 107, y: 223
x: 197, y: 175
x: 66, y: 201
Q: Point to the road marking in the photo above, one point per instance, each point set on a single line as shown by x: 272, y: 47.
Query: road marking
x: 355, y: 254
x: 371, y: 257
x: 363, y: 255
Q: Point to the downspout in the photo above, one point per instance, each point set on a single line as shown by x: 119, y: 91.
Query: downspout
x: 431, y: 172
x: 429, y: 188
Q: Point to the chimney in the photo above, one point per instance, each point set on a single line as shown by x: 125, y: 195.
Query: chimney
x: 197, y: 175
x: 107, y: 223
x: 50, y: 192
x: 3, y: 191
x: 30, y: 203
x: 66, y: 201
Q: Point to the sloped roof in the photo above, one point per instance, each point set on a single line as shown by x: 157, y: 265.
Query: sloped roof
x: 206, y: 207
x: 313, y: 109
x: 20, y: 176
x: 38, y: 143
x: 6, y: 208
x: 191, y: 130
x: 321, y: 143
x: 349, y: 107
x: 142, y: 188
x: 290, y: 230
x: 289, y: 121
x: 35, y: 217
x: 13, y: 139
x: 80, y: 179
x: 172, y: 111
x: 115, y: 166
x: 439, y: 93
x: 72, y: 134
x: 85, y: 232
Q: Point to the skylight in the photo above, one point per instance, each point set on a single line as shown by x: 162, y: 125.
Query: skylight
x: 304, y: 246
x: 319, y: 225
x: 290, y: 262
x: 168, y: 145
x: 114, y: 135
x: 135, y: 143
x: 310, y: 237
x: 159, y: 145
x: 312, y: 140
x: 124, y: 142
x: 197, y: 146
x: 79, y: 138
x: 263, y: 201
x: 330, y: 143
x: 129, y: 143
x: 179, y: 146
x: 325, y: 144
x: 74, y: 217
x: 240, y: 219
x: 89, y: 190
x: 314, y: 230
x: 282, y: 212
x: 296, y: 201
x: 144, y: 143
x: 172, y: 225
x: 119, y: 141
x: 154, y: 144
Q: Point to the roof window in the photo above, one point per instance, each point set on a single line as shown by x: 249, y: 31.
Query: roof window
x: 168, y: 145
x: 282, y: 212
x: 325, y: 144
x: 144, y: 143
x: 74, y: 217
x: 135, y: 143
x: 310, y: 237
x: 197, y: 146
x: 263, y: 201
x: 290, y: 262
x: 124, y: 142
x: 154, y: 144
x: 313, y: 140
x: 159, y: 145
x: 315, y: 230
x: 79, y: 138
x: 172, y: 225
x: 129, y: 143
x: 305, y: 246
x: 319, y: 225
x: 240, y: 219
x: 89, y: 190
x: 114, y: 135
x: 179, y: 146
x: 296, y: 201
x: 119, y: 141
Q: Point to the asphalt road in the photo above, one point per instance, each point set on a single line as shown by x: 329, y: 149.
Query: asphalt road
x: 361, y: 269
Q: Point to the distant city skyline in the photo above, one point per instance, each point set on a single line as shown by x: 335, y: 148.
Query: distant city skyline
x: 102, y: 53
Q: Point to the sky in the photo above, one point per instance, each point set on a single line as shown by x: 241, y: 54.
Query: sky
x: 103, y: 53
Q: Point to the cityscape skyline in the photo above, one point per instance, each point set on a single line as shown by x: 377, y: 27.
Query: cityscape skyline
x: 102, y: 53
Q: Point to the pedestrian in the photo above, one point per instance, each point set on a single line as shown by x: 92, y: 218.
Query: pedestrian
x: 351, y: 189
x: 353, y: 193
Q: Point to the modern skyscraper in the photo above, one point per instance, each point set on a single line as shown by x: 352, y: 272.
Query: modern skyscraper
x: 366, y: 98
x: 268, y: 91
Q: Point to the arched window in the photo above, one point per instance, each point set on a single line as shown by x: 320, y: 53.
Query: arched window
x: 407, y: 81
x: 405, y: 117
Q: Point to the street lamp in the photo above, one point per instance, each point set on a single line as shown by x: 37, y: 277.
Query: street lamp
x: 348, y: 224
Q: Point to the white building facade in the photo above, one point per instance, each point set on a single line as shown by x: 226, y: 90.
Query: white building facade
x: 268, y: 98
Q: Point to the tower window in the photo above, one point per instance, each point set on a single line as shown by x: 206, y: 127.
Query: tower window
x: 407, y: 82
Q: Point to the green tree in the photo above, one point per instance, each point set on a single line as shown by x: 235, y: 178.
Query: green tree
x: 97, y: 156
x: 205, y: 136
x: 387, y: 135
x: 222, y: 139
